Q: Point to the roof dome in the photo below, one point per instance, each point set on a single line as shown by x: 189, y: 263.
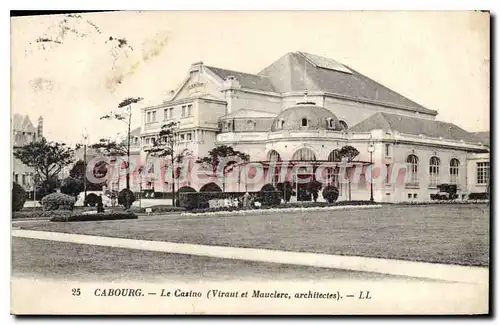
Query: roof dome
x: 306, y: 116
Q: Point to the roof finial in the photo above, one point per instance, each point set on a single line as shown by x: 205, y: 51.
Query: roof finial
x: 305, y: 95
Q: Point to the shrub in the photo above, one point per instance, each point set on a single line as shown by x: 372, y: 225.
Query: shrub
x: 40, y: 214
x: 314, y: 187
x: 269, y: 195
x: 126, y: 198
x: 18, y: 197
x: 71, y: 186
x: 331, y: 193
x: 478, y: 196
x: 286, y: 190
x: 210, y: 187
x: 58, y: 201
x: 92, y: 199
x: 45, y: 188
x: 185, y: 200
x: 94, y: 217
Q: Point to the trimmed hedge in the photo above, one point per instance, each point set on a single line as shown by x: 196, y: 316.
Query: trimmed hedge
x: 92, y: 199
x: 94, y: 217
x: 40, y: 214
x: 126, y: 198
x: 330, y: 193
x: 269, y: 195
x: 58, y: 201
x: 478, y: 196
x: 18, y: 197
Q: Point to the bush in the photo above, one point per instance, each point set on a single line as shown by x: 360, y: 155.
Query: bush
x: 269, y: 195
x: 286, y: 190
x: 71, y: 186
x: 126, y: 198
x: 478, y: 196
x: 92, y: 199
x: 18, y: 197
x: 45, y: 188
x: 210, y: 187
x: 185, y: 200
x: 314, y: 187
x: 331, y: 194
x: 94, y: 217
x: 40, y: 214
x: 58, y: 201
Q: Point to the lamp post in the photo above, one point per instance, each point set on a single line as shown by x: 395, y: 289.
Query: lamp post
x: 371, y: 149
x: 85, y: 137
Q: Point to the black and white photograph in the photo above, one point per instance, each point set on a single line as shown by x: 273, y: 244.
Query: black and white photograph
x: 250, y: 163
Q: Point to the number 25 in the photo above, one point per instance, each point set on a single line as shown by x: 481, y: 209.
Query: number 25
x: 76, y: 292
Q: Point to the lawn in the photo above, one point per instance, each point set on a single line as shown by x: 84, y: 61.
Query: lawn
x: 57, y: 260
x: 454, y: 234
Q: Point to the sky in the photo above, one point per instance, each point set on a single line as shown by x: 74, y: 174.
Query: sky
x: 73, y: 69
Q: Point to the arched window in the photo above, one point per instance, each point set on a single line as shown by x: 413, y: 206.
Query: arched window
x: 331, y: 123
x: 343, y: 125
x: 304, y: 121
x: 434, y: 171
x: 304, y: 154
x: 282, y: 123
x: 412, y: 164
x: 454, y: 170
x: 273, y: 155
x: 333, y: 172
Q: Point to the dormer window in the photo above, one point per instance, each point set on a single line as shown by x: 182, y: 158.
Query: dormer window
x: 304, y: 121
x: 330, y: 123
x: 282, y: 122
x: 343, y: 125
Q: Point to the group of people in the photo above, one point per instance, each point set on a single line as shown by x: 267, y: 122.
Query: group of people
x: 246, y: 201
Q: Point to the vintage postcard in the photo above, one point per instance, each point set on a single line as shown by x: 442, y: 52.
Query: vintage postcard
x: 206, y: 162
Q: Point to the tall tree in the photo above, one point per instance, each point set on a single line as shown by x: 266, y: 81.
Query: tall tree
x: 164, y: 147
x: 112, y: 147
x: 349, y: 153
x: 47, y: 158
x: 78, y: 171
x: 223, y: 154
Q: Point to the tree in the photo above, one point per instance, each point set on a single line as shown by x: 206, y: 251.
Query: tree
x: 18, y: 197
x: 224, y: 154
x: 47, y: 158
x: 78, y: 171
x: 349, y: 153
x: 113, y: 148
x: 286, y: 190
x: 164, y: 147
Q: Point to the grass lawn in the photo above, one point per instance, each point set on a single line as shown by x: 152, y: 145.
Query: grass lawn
x: 58, y: 260
x: 454, y: 234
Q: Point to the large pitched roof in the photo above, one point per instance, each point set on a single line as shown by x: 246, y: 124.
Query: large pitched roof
x: 414, y: 126
x: 299, y: 71
x: 246, y: 80
x: 484, y: 136
x: 22, y: 123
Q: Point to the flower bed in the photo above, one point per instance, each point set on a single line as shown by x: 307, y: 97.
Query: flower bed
x: 441, y: 202
x: 94, y: 217
x: 158, y: 209
x: 344, y: 205
x: 40, y: 214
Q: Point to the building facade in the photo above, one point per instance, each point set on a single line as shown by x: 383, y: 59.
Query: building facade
x: 23, y: 132
x: 292, y: 117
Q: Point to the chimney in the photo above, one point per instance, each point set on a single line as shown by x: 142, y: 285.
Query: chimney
x: 39, y: 133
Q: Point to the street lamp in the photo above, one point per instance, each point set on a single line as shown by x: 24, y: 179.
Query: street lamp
x: 85, y: 137
x: 371, y: 149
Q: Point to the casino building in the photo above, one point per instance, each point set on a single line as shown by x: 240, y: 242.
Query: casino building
x: 297, y: 113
